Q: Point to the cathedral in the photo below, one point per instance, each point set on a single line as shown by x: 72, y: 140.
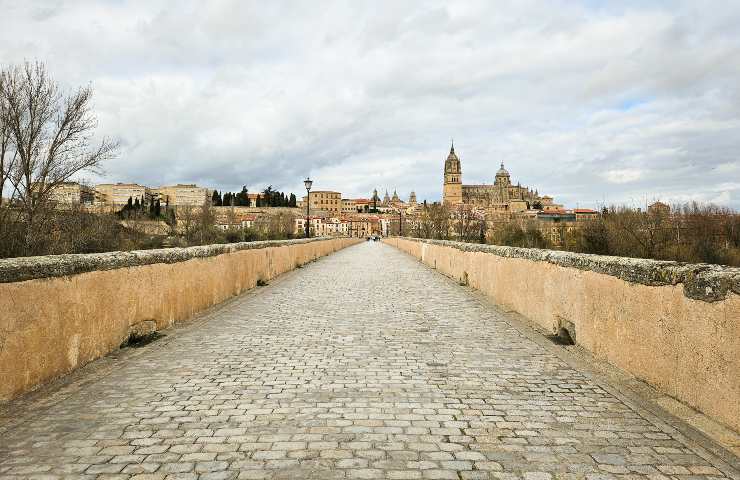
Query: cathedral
x: 502, y: 196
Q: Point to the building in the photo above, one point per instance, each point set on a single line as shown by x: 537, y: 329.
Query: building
x: 70, y: 193
x: 363, y: 205
x: 557, y: 216
x: 557, y: 225
x: 182, y: 195
x: 386, y: 199
x: 326, y: 201
x: 244, y: 217
x: 315, y: 225
x: 118, y: 194
x: 235, y: 223
x: 360, y: 227
x: 547, y: 204
x: 333, y: 227
x: 349, y: 205
x: 659, y: 208
x: 585, y: 214
x: 388, y: 204
x: 323, y: 226
x: 500, y: 197
x: 355, y: 225
x: 252, y: 197
x: 356, y: 205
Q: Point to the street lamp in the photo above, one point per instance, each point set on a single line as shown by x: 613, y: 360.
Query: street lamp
x: 307, y: 183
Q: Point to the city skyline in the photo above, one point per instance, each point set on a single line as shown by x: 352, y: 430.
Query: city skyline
x: 593, y: 103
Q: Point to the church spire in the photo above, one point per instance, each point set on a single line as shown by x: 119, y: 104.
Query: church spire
x: 452, y: 146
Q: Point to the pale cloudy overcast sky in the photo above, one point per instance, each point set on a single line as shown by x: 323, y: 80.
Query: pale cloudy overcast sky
x: 589, y: 102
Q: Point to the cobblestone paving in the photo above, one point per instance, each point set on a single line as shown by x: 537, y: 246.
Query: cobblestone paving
x: 365, y: 364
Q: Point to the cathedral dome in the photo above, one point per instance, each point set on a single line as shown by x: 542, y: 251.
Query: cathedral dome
x: 502, y: 177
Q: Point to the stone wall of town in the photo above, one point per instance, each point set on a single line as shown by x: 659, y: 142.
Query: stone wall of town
x: 60, y: 312
x: 675, y: 326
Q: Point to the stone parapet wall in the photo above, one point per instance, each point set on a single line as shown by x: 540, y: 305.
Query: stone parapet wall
x: 60, y: 312
x: 675, y: 326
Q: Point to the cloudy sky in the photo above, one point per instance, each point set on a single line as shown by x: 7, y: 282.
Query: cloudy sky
x: 614, y: 102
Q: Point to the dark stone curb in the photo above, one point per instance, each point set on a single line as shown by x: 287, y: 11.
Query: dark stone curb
x: 49, y: 266
x: 701, y: 281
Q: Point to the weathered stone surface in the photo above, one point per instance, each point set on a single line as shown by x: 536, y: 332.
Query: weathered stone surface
x: 700, y: 281
x: 675, y: 326
x: 83, y: 306
x: 365, y: 364
x: 50, y: 266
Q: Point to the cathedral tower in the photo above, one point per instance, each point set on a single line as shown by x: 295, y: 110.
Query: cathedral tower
x: 502, y: 182
x: 452, y: 189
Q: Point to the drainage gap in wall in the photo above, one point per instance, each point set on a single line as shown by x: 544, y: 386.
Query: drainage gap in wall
x: 261, y: 283
x: 562, y: 338
x: 135, y: 340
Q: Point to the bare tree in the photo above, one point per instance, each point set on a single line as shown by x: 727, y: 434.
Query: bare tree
x: 441, y: 222
x: 424, y: 222
x: 468, y: 222
x: 198, y: 224
x: 184, y: 220
x: 6, y: 160
x: 275, y: 226
x: 481, y: 225
x: 206, y: 223
x: 51, y: 134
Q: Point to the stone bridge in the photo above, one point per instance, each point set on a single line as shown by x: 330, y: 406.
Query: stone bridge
x: 362, y: 364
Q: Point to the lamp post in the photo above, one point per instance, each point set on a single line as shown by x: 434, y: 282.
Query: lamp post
x: 307, y: 183
x: 400, y: 224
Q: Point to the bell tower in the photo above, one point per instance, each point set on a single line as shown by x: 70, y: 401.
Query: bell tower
x: 452, y: 188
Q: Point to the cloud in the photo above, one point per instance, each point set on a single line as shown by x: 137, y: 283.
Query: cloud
x: 593, y: 102
x: 622, y: 176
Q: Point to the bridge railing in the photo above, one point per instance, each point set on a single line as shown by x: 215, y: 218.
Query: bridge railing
x: 59, y: 312
x: 674, y: 325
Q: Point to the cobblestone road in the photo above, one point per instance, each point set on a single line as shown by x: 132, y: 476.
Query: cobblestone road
x: 365, y: 364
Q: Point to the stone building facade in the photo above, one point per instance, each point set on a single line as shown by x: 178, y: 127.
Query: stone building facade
x: 116, y: 195
x: 69, y: 193
x: 325, y: 200
x: 501, y: 196
x: 181, y: 195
